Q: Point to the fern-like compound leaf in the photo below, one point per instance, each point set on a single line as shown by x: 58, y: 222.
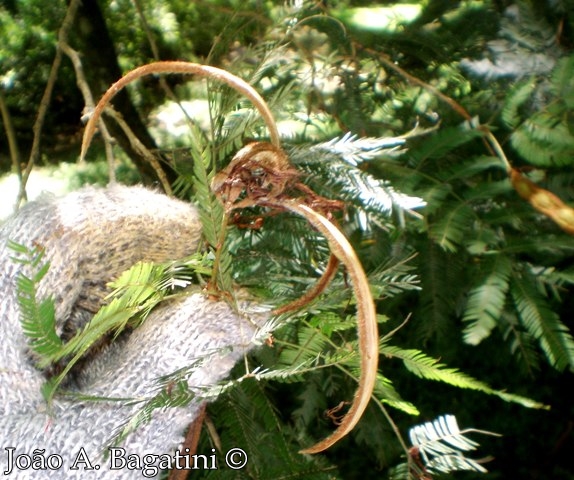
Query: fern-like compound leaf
x: 543, y: 323
x: 38, y: 317
x: 486, y: 301
x: 441, y: 445
x: 430, y: 368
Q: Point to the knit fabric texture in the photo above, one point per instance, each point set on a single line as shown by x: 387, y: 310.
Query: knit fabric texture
x: 90, y: 237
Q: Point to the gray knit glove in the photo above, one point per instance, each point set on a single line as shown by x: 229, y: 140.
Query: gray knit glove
x: 90, y: 237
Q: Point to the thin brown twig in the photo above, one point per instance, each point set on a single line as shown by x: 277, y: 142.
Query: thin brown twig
x: 147, y: 29
x: 384, y: 59
x: 82, y: 83
x: 155, y: 51
x: 541, y: 199
x: 490, y: 140
x: 11, y: 136
x: 189, y: 447
x: 45, y: 101
x: 140, y: 148
x: 212, y: 431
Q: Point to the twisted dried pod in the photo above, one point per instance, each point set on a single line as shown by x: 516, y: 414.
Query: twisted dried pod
x: 171, y: 67
x: 263, y: 171
x: 269, y: 191
x: 366, y: 317
x: 544, y: 201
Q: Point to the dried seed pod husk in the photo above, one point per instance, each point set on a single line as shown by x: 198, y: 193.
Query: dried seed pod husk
x: 544, y: 201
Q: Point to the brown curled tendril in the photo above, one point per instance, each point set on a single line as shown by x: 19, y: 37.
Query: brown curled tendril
x: 261, y: 172
x: 315, y: 291
x: 186, y: 68
x: 366, y: 317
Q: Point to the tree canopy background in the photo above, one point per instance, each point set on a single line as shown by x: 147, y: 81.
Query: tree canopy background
x: 446, y: 127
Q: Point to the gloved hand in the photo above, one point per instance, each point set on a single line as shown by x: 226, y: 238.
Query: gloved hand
x: 89, y: 238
